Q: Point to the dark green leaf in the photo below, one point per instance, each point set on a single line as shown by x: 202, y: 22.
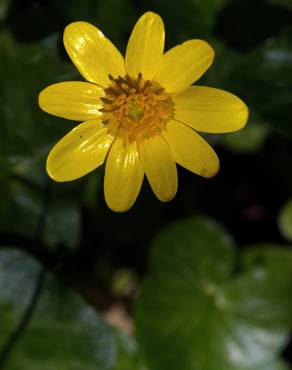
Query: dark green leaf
x: 4, y: 4
x: 112, y: 17
x: 199, y: 309
x: 63, y: 332
x: 274, y: 365
x: 285, y: 3
x: 285, y: 220
x: 263, y: 79
x: 127, y: 353
x: 191, y: 19
x: 24, y: 71
x: 23, y: 206
x: 248, y: 140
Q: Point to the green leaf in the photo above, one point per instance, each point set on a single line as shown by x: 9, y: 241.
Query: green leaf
x: 275, y: 259
x: 284, y: 3
x: 209, y: 9
x: 275, y: 365
x: 27, y: 134
x: 127, y: 353
x: 248, y: 140
x: 23, y: 206
x: 112, y: 17
x: 263, y: 79
x: 285, y: 220
x: 191, y: 19
x: 4, y: 5
x: 200, y: 308
x: 63, y: 332
x: 26, y: 69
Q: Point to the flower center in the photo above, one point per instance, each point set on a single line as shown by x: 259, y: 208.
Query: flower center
x: 135, y: 109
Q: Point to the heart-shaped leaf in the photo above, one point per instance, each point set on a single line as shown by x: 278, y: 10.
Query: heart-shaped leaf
x: 63, y: 333
x: 201, y: 308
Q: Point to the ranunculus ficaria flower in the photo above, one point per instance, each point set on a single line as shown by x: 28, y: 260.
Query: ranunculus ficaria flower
x: 140, y: 114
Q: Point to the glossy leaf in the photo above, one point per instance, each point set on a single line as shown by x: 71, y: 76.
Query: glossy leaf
x: 24, y: 71
x: 263, y: 79
x: 4, y: 5
x: 25, y: 206
x: 285, y: 220
x: 248, y: 140
x: 275, y: 365
x: 200, y: 308
x: 63, y: 330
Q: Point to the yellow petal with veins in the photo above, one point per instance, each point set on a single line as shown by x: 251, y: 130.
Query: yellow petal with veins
x: 190, y: 150
x: 123, y: 176
x: 159, y: 166
x: 92, y: 53
x: 79, y: 101
x: 81, y: 151
x: 184, y: 64
x: 211, y: 110
x: 145, y: 46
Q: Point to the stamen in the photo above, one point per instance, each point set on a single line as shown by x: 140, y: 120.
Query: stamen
x: 135, y: 109
x: 106, y: 100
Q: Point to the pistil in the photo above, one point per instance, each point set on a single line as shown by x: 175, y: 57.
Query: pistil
x: 135, y: 109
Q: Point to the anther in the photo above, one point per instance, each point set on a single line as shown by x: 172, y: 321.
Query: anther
x: 134, y: 108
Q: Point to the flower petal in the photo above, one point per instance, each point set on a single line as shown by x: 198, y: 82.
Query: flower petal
x: 123, y: 176
x: 79, y: 101
x: 184, y: 64
x: 81, y: 151
x: 210, y: 110
x: 159, y: 166
x: 92, y: 53
x: 190, y: 150
x: 145, y: 46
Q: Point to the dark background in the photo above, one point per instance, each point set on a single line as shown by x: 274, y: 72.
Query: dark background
x: 67, y: 227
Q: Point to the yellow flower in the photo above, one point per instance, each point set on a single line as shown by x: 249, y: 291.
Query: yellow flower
x: 141, y: 114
